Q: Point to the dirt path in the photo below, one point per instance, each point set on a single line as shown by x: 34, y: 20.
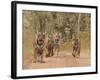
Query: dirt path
x: 62, y: 60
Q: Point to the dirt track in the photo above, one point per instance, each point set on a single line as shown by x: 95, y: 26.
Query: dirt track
x: 62, y: 60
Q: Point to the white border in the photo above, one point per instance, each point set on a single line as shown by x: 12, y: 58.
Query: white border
x: 31, y: 72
